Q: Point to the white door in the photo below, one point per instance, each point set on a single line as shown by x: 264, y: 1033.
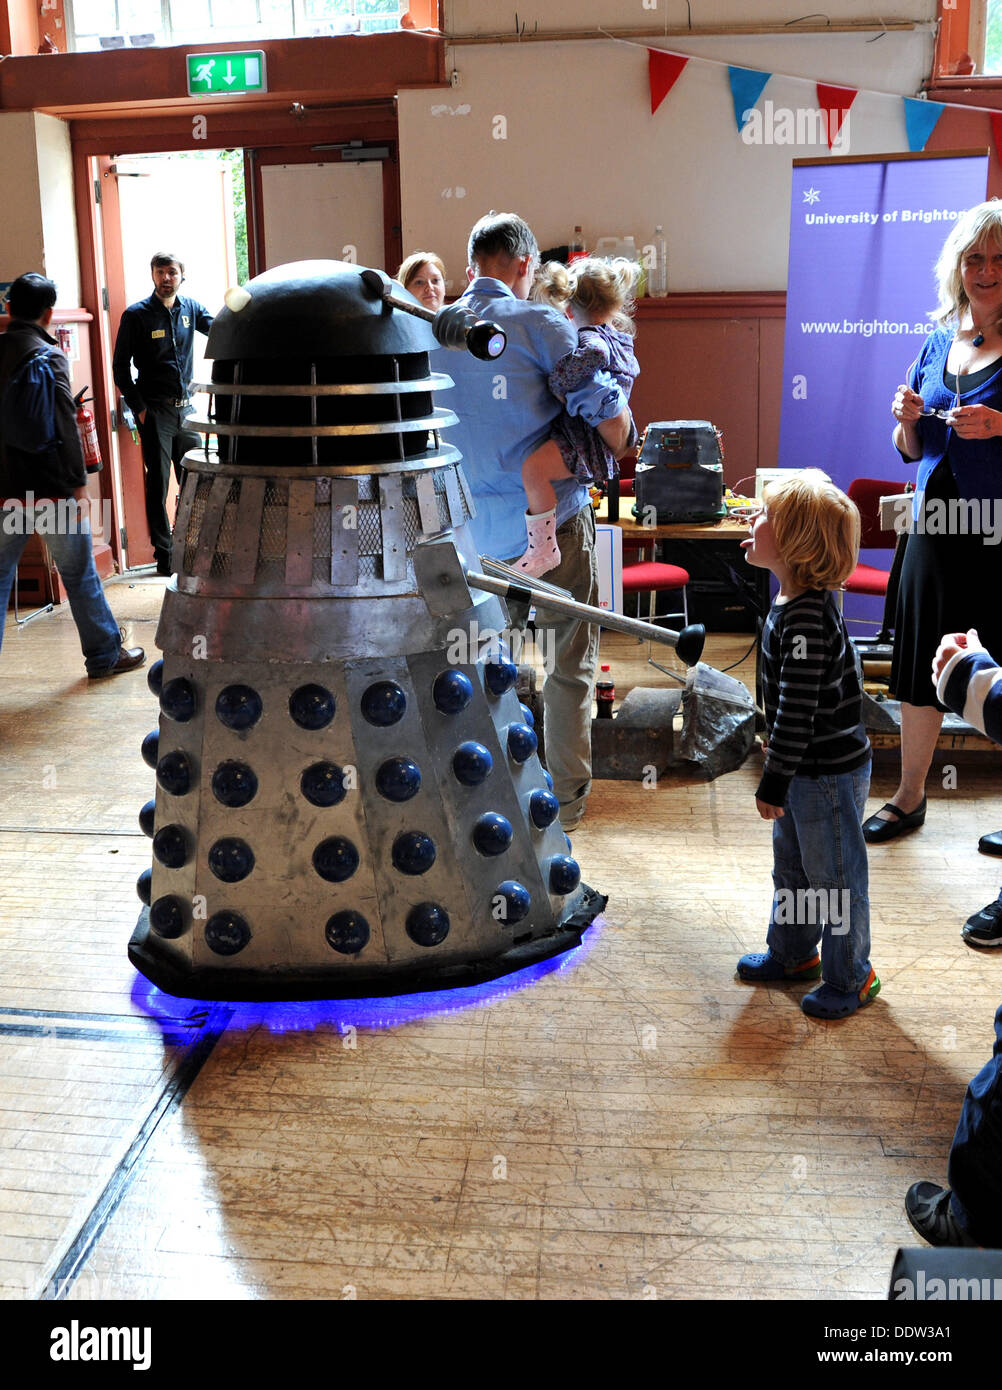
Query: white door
x: 325, y: 212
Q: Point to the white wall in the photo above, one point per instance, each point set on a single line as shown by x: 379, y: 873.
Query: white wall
x: 582, y: 146
x: 21, y: 244
x: 38, y: 226
x: 59, y: 223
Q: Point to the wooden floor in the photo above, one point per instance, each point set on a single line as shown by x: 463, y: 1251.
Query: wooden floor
x: 635, y: 1124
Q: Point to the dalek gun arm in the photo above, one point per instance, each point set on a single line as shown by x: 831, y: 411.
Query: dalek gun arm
x: 446, y: 584
x: 455, y: 326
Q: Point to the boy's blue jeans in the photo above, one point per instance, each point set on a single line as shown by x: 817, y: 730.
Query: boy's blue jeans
x: 821, y: 878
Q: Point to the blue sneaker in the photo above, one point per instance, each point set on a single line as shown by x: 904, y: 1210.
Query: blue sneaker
x: 763, y: 967
x: 827, y: 1002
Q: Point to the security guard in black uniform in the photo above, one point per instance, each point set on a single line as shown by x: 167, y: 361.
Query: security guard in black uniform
x: 158, y: 334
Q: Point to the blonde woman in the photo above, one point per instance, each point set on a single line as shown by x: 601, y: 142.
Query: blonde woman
x: 949, y: 422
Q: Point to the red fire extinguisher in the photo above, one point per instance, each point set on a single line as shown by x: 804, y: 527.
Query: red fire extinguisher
x: 87, y: 430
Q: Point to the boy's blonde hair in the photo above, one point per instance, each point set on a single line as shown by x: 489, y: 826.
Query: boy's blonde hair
x: 593, y: 285
x: 815, y: 527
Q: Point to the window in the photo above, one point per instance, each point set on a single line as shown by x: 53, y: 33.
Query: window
x: 96, y: 24
x: 986, y: 31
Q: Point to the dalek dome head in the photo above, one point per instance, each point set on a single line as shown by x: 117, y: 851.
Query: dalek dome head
x: 313, y: 309
x: 313, y: 366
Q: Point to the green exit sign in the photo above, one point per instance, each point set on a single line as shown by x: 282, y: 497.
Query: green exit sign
x: 219, y: 73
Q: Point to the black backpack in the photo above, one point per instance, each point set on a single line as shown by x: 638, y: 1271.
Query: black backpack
x: 28, y: 407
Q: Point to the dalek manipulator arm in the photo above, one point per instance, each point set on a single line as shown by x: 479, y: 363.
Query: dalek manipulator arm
x: 455, y: 326
x: 446, y: 583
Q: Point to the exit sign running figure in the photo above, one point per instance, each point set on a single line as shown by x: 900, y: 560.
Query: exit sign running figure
x: 221, y: 73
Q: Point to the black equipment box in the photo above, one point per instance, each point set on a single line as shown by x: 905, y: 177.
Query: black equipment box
x: 680, y: 472
x: 724, y: 592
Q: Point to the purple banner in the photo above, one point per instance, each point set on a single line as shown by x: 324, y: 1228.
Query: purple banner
x: 864, y: 238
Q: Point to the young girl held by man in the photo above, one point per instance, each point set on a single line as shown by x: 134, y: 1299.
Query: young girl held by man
x: 597, y: 295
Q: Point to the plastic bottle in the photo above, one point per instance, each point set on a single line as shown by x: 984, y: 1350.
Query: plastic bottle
x: 576, y: 249
x: 657, y: 276
x: 605, y: 693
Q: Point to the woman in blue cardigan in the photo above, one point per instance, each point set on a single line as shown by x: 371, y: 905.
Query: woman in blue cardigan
x: 949, y: 418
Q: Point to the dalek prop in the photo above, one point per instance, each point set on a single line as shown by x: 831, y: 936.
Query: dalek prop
x: 349, y: 800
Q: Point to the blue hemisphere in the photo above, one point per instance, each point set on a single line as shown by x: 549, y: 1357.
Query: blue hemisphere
x: 178, y: 700
x: 347, y: 932
x: 238, y: 707
x: 384, y: 703
x: 544, y: 808
x: 151, y: 748
x: 565, y: 874
x: 500, y: 676
x: 522, y: 742
x: 472, y: 763
x: 234, y: 783
x: 512, y: 901
x: 311, y: 706
x: 452, y: 692
x: 493, y: 833
x: 231, y: 859
x: 428, y: 924
x: 336, y: 859
x: 169, y: 917
x: 413, y: 852
x: 226, y: 933
x: 171, y: 846
x: 398, y: 779
x: 174, y: 773
x: 323, y: 784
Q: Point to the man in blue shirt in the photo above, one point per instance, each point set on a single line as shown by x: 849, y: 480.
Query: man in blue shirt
x: 505, y: 411
x: 158, y: 335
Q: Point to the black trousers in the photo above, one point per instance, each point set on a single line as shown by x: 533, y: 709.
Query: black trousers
x: 165, y: 441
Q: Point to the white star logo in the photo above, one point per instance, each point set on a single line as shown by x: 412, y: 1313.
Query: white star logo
x: 811, y: 195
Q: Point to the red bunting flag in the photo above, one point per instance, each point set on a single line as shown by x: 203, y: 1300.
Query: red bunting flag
x: 836, y: 102
x: 664, y: 69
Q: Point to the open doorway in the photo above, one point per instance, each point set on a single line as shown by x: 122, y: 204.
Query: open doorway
x: 190, y: 204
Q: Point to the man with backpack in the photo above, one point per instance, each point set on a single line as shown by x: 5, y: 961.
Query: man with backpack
x: 41, y: 464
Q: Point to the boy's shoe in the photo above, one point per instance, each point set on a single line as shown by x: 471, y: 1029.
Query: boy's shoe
x: 762, y: 967
x: 927, y: 1206
x: 984, y: 928
x: 828, y: 1002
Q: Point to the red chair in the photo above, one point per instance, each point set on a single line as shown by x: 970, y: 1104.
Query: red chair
x: 868, y: 579
x: 650, y: 576
x: 866, y: 493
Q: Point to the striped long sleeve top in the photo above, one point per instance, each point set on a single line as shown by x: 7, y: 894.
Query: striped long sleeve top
x: 812, y: 694
x: 971, y: 685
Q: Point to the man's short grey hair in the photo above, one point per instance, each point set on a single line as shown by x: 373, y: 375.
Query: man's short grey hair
x: 501, y: 234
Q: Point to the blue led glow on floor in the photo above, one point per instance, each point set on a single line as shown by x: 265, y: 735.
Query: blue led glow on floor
x: 338, y: 1015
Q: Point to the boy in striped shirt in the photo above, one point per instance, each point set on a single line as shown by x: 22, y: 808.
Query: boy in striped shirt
x: 817, y: 767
